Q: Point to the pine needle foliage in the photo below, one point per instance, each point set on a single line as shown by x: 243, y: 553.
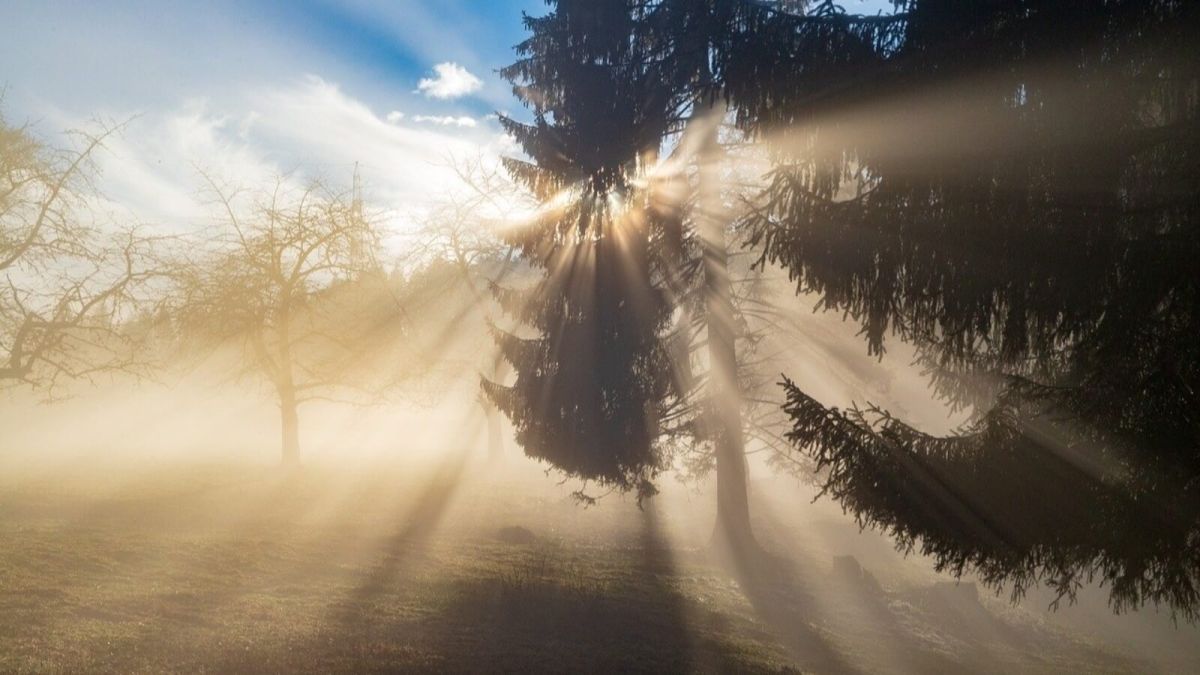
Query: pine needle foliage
x: 1012, y: 187
x: 592, y: 376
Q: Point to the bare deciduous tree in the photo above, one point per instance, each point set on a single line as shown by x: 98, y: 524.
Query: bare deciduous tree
x: 69, y: 282
x: 267, y: 279
x: 461, y: 230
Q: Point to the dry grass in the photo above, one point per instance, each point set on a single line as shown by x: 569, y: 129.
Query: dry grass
x: 448, y: 568
x: 224, y: 572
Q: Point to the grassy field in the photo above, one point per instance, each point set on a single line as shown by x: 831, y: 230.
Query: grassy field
x: 459, y: 568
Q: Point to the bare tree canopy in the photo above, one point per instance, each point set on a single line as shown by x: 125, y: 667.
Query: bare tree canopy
x: 69, y: 278
x: 268, y: 275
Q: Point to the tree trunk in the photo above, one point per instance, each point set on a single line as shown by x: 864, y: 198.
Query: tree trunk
x: 733, y: 505
x: 289, y: 414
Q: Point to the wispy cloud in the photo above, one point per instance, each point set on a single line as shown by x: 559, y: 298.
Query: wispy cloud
x: 446, y: 120
x: 309, y: 128
x: 451, y: 81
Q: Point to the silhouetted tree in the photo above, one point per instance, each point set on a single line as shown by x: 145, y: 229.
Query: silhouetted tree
x: 593, y: 378
x: 685, y: 32
x: 1012, y: 187
x: 613, y: 84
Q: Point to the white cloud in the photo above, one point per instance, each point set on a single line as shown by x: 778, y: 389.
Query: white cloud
x: 452, y: 81
x: 446, y: 120
x: 247, y: 123
x: 152, y: 169
x: 308, y: 128
x: 395, y: 117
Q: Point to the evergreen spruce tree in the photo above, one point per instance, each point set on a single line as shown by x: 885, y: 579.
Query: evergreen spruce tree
x: 592, y: 376
x: 610, y: 84
x: 1012, y: 187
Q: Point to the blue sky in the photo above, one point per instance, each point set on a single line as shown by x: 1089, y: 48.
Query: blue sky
x: 127, y: 52
x: 255, y: 87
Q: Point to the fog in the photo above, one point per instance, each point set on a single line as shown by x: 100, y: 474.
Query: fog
x: 153, y: 516
x: 674, y: 336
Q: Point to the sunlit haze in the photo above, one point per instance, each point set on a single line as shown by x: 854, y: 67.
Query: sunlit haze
x: 599, y: 336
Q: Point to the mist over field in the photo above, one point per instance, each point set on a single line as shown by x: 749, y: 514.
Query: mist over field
x: 600, y: 336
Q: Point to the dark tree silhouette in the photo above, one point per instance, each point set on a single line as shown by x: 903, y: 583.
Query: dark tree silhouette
x: 1012, y: 187
x: 686, y: 38
x: 714, y: 52
x: 592, y: 380
x: 611, y: 84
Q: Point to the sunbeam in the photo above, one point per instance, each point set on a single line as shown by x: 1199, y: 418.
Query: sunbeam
x: 600, y: 336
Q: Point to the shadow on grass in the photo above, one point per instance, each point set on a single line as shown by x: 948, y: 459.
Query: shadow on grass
x: 781, y: 600
x: 550, y: 612
x: 540, y: 608
x: 828, y: 623
x: 865, y: 628
x: 399, y: 548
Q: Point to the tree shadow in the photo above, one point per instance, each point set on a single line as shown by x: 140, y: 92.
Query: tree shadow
x: 941, y: 627
x: 793, y: 593
x: 781, y: 600
x: 406, y: 542
x: 657, y: 565
x: 549, y: 608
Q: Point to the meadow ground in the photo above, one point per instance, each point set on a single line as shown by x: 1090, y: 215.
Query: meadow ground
x: 452, y: 566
